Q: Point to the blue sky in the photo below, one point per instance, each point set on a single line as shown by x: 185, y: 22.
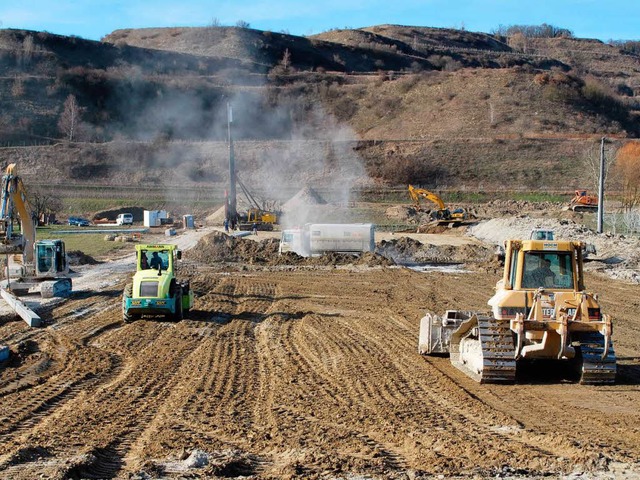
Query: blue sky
x: 93, y: 19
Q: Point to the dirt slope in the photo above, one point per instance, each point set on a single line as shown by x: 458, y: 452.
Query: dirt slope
x: 284, y: 372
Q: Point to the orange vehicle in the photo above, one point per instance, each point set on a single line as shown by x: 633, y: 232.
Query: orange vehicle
x: 583, y: 202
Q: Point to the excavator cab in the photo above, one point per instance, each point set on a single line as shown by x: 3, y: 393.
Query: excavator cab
x: 50, y: 259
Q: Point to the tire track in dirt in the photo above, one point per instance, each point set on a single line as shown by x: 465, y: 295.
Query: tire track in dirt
x: 379, y: 374
x: 501, y: 432
x: 318, y: 403
x: 112, y: 410
x: 369, y: 379
x: 33, y: 409
x: 225, y: 381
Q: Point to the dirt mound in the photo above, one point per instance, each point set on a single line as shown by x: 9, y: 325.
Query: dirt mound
x: 218, y: 247
x: 137, y: 212
x: 306, y: 196
x: 406, y: 250
x: 408, y: 214
x: 77, y: 257
x: 368, y: 259
x: 217, y: 217
x: 516, y: 207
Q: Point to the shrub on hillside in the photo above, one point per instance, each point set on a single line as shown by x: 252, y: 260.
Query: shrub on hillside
x: 602, y: 98
x: 398, y: 169
x: 533, y: 31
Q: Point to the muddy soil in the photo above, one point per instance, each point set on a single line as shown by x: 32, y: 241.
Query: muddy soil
x: 301, y: 370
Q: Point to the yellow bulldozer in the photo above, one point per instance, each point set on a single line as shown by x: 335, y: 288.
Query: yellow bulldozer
x: 540, y: 311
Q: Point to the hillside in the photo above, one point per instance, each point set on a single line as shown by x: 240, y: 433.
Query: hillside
x: 439, y: 107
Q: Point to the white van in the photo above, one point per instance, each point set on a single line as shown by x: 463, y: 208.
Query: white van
x: 124, y: 219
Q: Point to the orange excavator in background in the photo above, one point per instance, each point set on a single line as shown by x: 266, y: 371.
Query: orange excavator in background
x: 582, y: 202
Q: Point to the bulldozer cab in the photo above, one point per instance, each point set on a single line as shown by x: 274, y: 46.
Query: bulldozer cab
x: 543, y: 264
x: 547, y: 270
x: 50, y: 258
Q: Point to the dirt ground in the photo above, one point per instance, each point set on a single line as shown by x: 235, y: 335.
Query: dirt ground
x: 302, y: 369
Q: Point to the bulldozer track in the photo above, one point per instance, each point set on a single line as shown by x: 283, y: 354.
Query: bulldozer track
x: 496, y: 344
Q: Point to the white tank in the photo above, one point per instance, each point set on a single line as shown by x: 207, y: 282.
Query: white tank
x: 314, y: 239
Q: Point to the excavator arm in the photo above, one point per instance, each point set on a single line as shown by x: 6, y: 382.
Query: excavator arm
x: 14, y: 200
x: 417, y: 193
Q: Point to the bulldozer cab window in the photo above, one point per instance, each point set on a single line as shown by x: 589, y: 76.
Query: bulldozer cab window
x: 547, y: 270
x: 514, y: 268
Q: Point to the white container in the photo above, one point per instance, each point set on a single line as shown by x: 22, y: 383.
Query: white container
x: 153, y: 218
x: 314, y: 239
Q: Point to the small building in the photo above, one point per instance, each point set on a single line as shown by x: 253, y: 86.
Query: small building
x: 155, y: 218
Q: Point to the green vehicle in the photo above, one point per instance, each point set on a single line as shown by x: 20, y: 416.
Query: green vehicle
x: 155, y: 289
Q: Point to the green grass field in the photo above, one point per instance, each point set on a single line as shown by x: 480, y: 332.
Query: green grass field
x: 93, y: 244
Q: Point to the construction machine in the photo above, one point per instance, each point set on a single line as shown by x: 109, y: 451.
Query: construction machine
x: 32, y: 266
x: 442, y: 214
x: 540, y: 311
x: 258, y: 216
x: 582, y: 202
x: 155, y: 290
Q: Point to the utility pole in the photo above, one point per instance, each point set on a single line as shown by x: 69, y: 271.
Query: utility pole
x: 231, y: 207
x: 601, y: 189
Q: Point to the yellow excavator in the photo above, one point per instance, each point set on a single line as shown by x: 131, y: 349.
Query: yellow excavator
x: 540, y: 311
x: 442, y: 214
x: 33, y: 266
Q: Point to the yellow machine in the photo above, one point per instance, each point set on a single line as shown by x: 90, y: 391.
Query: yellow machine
x: 33, y: 266
x: 442, y: 214
x: 263, y: 219
x: 154, y: 289
x: 540, y: 311
x: 256, y: 215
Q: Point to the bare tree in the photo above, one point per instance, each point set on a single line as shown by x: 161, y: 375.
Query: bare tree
x: 591, y: 165
x: 628, y: 167
x: 286, y: 59
x: 242, y: 24
x: 28, y: 47
x: 631, y: 220
x: 45, y: 204
x: 70, y: 118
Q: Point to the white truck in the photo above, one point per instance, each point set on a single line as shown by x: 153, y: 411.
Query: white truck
x: 124, y: 219
x: 314, y: 239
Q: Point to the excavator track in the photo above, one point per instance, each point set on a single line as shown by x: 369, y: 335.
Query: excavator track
x: 596, y: 370
x: 486, y: 351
